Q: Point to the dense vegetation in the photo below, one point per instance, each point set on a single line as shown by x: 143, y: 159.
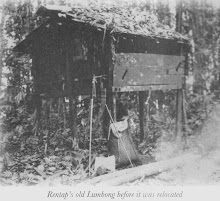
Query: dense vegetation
x: 31, y: 153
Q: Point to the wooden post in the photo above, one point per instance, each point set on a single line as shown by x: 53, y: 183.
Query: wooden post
x: 147, y: 116
x: 47, y: 118
x: 64, y: 112
x: 179, y: 112
x: 114, y: 95
x: 38, y: 116
x: 179, y: 94
x: 141, y: 115
x: 72, y: 101
x: 110, y: 77
x: 37, y: 99
x: 109, y: 51
x: 2, y: 20
x: 186, y: 127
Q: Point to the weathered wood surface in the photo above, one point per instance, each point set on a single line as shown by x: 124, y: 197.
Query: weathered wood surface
x: 127, y: 175
x: 146, y: 88
x: 179, y: 114
x: 145, y: 69
x: 142, y: 96
x: 71, y: 95
x: 108, y: 65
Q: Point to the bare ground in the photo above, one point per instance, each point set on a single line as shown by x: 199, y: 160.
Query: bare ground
x: 205, y: 170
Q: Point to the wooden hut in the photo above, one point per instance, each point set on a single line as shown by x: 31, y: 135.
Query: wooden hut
x: 133, y: 53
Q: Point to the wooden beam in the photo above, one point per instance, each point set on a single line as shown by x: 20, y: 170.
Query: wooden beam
x: 128, y: 175
x: 146, y: 88
x: 138, y: 44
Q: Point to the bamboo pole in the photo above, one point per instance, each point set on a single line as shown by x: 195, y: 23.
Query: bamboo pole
x: 90, y: 127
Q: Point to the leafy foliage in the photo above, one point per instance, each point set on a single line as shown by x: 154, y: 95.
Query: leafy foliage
x: 132, y: 20
x: 46, y: 152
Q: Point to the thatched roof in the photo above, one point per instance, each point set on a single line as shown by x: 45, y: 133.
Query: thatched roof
x: 115, y: 19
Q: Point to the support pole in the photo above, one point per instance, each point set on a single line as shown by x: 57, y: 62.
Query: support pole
x: 38, y: 116
x: 148, y: 115
x: 90, y: 135
x: 179, y: 95
x: 114, y: 106
x: 179, y: 113
x: 141, y: 115
x: 37, y: 98
x: 109, y: 66
x: 72, y: 101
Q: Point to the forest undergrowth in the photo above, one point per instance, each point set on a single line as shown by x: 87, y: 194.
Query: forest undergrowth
x: 203, y: 171
x: 40, y: 149
x: 25, y: 161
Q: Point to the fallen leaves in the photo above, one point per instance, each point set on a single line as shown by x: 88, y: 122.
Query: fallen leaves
x: 37, y: 168
x: 131, y: 20
x: 64, y: 167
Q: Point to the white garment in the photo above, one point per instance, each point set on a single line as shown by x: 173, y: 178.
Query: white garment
x: 118, y: 127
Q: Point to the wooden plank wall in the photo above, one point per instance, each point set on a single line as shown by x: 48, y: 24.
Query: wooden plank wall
x: 137, y: 69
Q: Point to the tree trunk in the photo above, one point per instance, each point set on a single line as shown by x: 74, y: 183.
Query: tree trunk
x: 179, y: 99
x: 179, y: 16
x: 1, y: 44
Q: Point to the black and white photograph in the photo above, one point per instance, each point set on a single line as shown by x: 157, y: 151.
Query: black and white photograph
x: 109, y: 100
